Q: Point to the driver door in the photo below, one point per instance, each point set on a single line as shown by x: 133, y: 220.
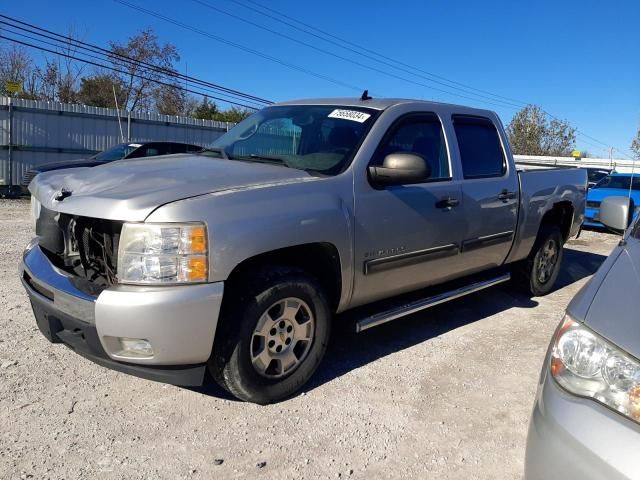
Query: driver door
x: 409, y: 236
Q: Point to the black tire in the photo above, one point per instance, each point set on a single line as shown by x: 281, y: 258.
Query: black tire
x: 231, y: 362
x: 537, y: 274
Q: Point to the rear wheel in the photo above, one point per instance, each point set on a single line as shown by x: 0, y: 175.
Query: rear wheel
x: 538, y: 273
x: 273, y: 337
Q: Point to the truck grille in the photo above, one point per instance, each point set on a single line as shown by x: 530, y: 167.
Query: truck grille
x: 592, y: 204
x: 85, y: 247
x: 27, y: 177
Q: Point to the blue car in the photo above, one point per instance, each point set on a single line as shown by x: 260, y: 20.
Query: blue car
x: 614, y: 184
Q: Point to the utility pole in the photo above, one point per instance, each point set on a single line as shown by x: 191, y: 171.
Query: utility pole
x: 10, y: 153
x: 611, y: 157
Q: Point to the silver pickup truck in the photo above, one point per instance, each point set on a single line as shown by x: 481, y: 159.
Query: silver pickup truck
x: 236, y: 261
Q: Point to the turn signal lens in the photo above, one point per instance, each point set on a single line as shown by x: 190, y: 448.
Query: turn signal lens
x: 197, y: 269
x: 197, y: 238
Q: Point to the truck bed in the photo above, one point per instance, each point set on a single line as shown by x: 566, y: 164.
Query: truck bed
x: 540, y: 190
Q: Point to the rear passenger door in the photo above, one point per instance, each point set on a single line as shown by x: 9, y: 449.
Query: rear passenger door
x: 490, y: 192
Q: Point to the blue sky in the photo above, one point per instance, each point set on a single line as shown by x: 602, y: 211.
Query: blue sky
x: 580, y: 60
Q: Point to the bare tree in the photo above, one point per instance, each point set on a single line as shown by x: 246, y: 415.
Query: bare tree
x: 635, y: 145
x: 140, y: 82
x: 69, y: 71
x: 16, y: 65
x: 171, y: 100
x: 48, y: 77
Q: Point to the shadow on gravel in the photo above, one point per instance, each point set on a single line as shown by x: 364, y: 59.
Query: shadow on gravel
x: 212, y: 389
x: 576, y: 265
x: 349, y: 350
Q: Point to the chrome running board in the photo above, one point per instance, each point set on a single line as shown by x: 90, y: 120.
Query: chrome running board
x: 424, y: 303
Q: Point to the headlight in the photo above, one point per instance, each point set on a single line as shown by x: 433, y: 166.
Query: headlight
x: 587, y: 365
x: 154, y: 253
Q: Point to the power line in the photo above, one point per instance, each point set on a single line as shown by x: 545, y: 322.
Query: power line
x: 220, y: 90
x: 66, y: 55
x: 277, y: 60
x: 372, y: 55
x: 487, y: 99
x: 394, y: 62
x: 115, y: 56
x: 334, y: 39
x: 226, y: 98
x: 240, y: 47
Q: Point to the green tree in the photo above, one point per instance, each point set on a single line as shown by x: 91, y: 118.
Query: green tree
x: 233, y: 115
x: 532, y: 133
x: 97, y: 91
x: 206, y: 110
x: 635, y: 145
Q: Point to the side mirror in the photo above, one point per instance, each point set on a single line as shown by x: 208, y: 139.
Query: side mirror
x: 400, y: 169
x: 615, y: 213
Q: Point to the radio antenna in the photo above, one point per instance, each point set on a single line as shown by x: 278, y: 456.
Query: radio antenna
x: 631, y: 210
x: 365, y: 96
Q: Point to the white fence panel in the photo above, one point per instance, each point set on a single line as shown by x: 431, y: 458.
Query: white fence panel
x: 37, y: 132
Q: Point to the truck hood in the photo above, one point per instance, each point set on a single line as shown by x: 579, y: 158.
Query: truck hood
x: 614, y: 312
x: 131, y: 189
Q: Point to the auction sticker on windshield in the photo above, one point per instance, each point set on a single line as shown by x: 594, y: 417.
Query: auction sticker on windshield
x: 352, y: 115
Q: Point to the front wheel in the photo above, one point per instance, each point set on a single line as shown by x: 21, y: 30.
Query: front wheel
x: 273, y: 337
x: 538, y: 273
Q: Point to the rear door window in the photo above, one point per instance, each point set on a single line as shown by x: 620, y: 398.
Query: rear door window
x: 481, y: 152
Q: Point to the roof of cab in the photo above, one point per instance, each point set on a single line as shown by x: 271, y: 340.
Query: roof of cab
x: 375, y: 103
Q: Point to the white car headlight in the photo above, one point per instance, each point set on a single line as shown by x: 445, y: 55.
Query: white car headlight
x: 585, y: 364
x: 163, y: 253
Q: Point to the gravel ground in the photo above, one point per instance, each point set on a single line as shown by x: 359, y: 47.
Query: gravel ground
x: 444, y: 394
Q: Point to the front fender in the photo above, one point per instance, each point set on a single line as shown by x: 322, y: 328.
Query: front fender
x: 247, y: 222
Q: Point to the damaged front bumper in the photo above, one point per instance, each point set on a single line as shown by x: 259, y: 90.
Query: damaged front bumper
x: 178, y: 322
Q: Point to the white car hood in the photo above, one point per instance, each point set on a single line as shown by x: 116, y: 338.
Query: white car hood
x: 614, y: 311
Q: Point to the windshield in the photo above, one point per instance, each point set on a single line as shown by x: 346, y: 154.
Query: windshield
x: 117, y: 152
x: 596, y: 175
x: 320, y: 138
x: 619, y: 181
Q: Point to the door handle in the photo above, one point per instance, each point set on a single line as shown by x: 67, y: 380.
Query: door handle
x: 448, y: 202
x: 505, y: 195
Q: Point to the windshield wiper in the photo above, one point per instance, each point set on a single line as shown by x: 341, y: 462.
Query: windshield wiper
x: 266, y: 159
x: 219, y: 151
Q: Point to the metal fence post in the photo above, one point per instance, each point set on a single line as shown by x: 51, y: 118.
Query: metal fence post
x: 129, y: 126
x: 10, y: 158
